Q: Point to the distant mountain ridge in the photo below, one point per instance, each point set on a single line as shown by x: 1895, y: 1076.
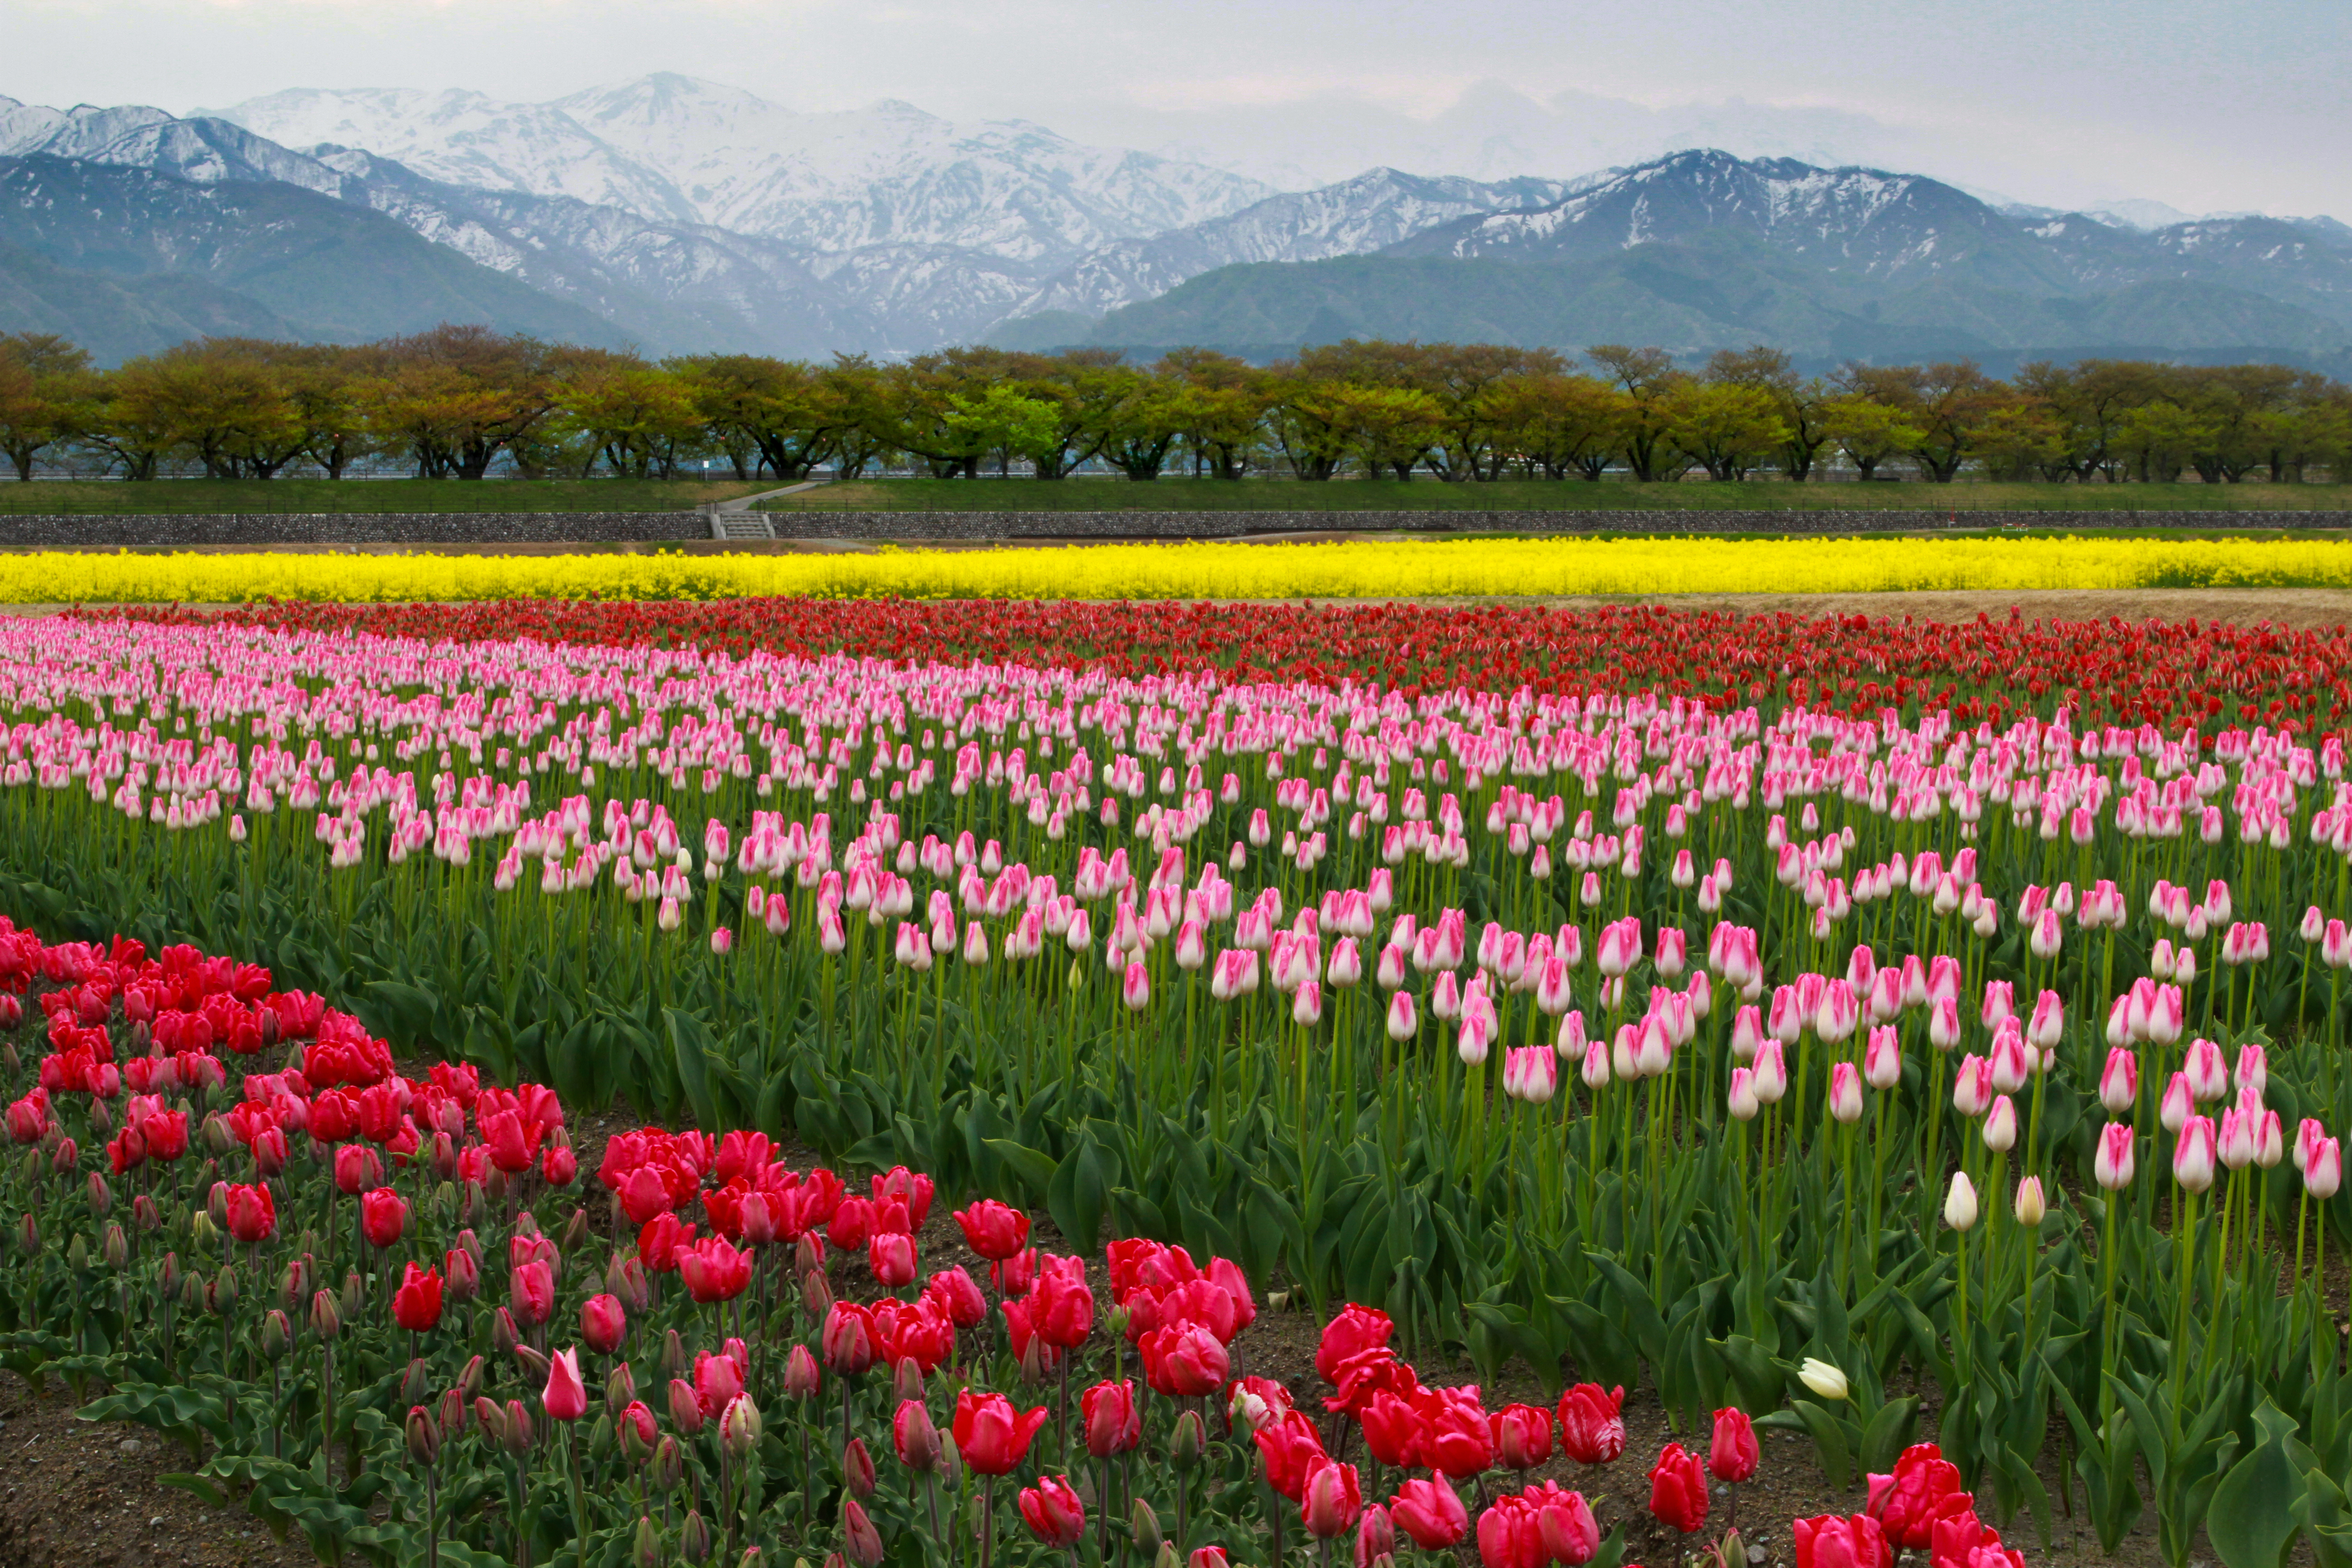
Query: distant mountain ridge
x: 1702, y: 251
x: 683, y: 216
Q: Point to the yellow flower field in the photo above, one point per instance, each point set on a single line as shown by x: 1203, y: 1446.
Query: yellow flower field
x: 1225, y: 571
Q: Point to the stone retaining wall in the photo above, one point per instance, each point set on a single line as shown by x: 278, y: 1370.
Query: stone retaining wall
x: 186, y: 528
x: 215, y: 529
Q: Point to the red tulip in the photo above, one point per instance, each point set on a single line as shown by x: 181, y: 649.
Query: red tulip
x: 1924, y: 1488
x: 915, y: 1437
x: 1733, y: 1456
x: 1591, y: 1429
x: 1053, y: 1512
x: 1375, y: 1537
x: 1511, y: 1536
x: 559, y: 1166
x: 892, y: 1259
x: 252, y: 1214
x: 1455, y: 1435
x: 1393, y: 1431
x: 417, y: 1304
x: 1356, y: 1330
x: 166, y: 1132
x: 1829, y: 1541
x: 531, y: 1292
x: 1184, y: 1361
x: 991, y: 1435
x: 463, y: 1274
x: 1114, y: 1425
x: 1333, y: 1500
x: 1290, y: 1448
x: 661, y: 1241
x: 603, y: 1323
x: 1678, y: 1490
x: 1964, y: 1540
x: 717, y: 1379
x: 1431, y: 1512
x: 357, y: 1169
x: 1571, y: 1534
x: 1061, y: 1305
x: 565, y: 1396
x: 953, y: 1291
x: 636, y: 1425
x: 383, y: 1215
x: 848, y: 1339
x: 1522, y: 1437
x: 714, y: 1270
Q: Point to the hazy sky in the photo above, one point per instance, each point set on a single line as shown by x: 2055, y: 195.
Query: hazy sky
x: 2200, y: 103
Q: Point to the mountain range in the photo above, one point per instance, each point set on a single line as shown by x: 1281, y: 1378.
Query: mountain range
x: 681, y: 216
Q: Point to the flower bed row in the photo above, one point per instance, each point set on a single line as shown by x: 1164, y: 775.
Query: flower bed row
x: 424, y: 1406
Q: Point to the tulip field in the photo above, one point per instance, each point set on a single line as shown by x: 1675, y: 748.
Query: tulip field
x: 1923, y: 1044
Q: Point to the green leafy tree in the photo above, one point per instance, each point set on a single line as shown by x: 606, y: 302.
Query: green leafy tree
x: 1724, y: 426
x: 1647, y: 378
x: 45, y: 390
x: 1868, y: 432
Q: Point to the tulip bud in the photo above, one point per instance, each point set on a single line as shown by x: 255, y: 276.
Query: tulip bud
x: 685, y: 1409
x: 469, y: 1382
x: 102, y: 1197
x: 857, y: 1469
x: 740, y: 1428
x: 693, y: 1537
x: 1144, y: 1525
x: 668, y: 1467
x: 517, y: 1431
x: 576, y: 1233
x: 78, y: 1254
x: 145, y: 1215
x: 2030, y: 1205
x: 534, y: 1364
x: 193, y: 1295
x: 354, y: 1296
x: 1190, y: 1438
x: 620, y: 1389
x: 802, y: 1378
x: 859, y: 1538
x: 414, y: 1382
x: 1825, y: 1380
x: 452, y: 1413
x: 276, y: 1335
x: 675, y: 1362
x: 202, y: 1231
x: 117, y: 1247
x: 491, y: 1416
x: 1960, y: 1202
x: 424, y: 1436
x: 907, y: 1380
x: 601, y: 1440
x: 326, y: 1318
x: 648, y: 1553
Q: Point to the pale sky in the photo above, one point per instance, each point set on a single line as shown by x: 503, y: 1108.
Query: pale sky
x: 2205, y: 105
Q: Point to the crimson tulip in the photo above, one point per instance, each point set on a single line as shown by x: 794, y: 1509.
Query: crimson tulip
x: 1430, y: 1511
x: 1332, y: 1499
x: 566, y: 1398
x: 1356, y: 1330
x: 1522, y: 1437
x: 603, y: 1323
x: 1923, y: 1488
x: 915, y: 1437
x: 1678, y: 1490
x: 1113, y: 1423
x: 990, y: 1434
x: 531, y: 1292
x: 383, y: 1215
x: 1829, y: 1541
x: 713, y: 1269
x: 1290, y: 1448
x: 1053, y: 1512
x: 1733, y: 1455
x: 252, y: 1214
x: 417, y: 1304
x: 1963, y: 1541
x: 1591, y: 1425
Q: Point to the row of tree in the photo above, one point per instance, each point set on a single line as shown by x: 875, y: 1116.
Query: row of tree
x: 463, y: 401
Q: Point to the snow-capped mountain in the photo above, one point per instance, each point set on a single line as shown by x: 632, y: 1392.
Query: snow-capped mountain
x: 671, y: 149
x: 1880, y: 225
x: 1370, y: 212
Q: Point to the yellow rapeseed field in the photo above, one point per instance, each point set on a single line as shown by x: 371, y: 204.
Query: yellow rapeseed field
x: 1359, y: 569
